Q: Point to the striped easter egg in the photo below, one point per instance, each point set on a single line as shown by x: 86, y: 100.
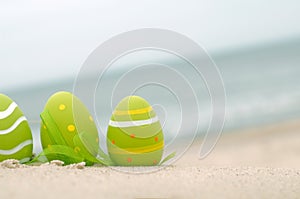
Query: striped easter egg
x: 67, y: 122
x: 15, y: 133
x: 134, y: 135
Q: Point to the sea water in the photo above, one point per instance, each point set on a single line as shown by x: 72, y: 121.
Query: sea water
x: 262, y: 86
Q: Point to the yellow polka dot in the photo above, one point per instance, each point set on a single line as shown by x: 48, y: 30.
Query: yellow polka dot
x: 49, y: 145
x: 91, y: 118
x: 77, y: 149
x: 62, y: 107
x: 44, y: 127
x: 97, y: 140
x: 71, y: 128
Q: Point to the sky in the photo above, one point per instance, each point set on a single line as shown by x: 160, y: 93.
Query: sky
x: 46, y: 40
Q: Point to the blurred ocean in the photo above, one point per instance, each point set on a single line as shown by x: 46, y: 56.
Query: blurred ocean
x: 262, y: 86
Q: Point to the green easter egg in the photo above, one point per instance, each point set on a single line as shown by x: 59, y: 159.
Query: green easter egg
x: 134, y: 135
x: 15, y: 133
x: 67, y: 122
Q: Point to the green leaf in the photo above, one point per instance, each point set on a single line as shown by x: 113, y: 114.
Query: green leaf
x: 83, y: 141
x: 54, y: 133
x: 58, y: 152
x: 170, y: 156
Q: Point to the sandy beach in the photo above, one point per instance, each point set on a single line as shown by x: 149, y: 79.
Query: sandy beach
x: 261, y: 162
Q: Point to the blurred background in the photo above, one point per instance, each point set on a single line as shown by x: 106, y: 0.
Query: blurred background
x: 255, y: 44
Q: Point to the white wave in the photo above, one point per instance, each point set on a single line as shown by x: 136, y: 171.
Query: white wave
x: 14, y: 126
x: 16, y: 149
x: 8, y: 111
x: 133, y: 123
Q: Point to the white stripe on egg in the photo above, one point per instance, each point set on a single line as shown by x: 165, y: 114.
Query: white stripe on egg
x: 133, y: 123
x: 14, y: 126
x: 16, y: 149
x: 8, y: 111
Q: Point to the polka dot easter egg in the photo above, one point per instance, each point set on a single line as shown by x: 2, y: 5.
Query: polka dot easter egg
x: 134, y: 135
x: 68, y: 129
x: 15, y: 133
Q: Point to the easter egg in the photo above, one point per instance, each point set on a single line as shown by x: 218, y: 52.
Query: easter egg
x: 67, y: 122
x: 15, y: 133
x: 134, y: 135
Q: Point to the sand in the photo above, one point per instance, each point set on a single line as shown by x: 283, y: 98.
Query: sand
x: 256, y: 163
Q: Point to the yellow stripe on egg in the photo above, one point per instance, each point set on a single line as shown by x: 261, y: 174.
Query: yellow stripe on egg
x: 133, y: 112
x: 139, y: 150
